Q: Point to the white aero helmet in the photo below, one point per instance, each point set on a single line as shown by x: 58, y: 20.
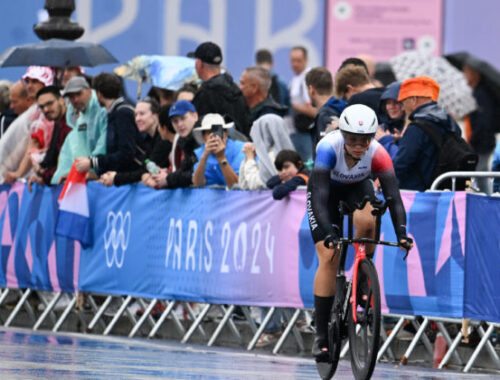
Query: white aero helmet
x: 359, y: 119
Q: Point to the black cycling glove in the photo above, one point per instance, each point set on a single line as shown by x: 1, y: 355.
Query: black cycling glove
x: 401, y: 233
x: 333, y: 237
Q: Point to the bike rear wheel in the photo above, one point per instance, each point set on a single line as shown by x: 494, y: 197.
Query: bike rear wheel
x: 336, y: 332
x: 365, y: 344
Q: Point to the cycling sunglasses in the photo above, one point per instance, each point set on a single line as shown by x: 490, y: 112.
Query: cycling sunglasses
x: 352, y: 139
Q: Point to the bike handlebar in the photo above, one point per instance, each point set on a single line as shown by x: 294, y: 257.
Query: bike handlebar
x: 406, y: 246
x: 379, y: 208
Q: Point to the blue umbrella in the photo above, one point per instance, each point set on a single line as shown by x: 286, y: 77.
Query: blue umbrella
x: 56, y: 53
x: 168, y: 72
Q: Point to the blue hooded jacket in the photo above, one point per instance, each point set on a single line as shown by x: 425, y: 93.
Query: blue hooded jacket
x: 333, y: 107
x: 390, y: 92
x: 416, y: 159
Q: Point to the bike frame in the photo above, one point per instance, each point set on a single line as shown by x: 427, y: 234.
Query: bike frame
x: 360, y: 251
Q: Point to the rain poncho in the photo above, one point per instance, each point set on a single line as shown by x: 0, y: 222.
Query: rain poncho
x: 87, y: 138
x: 15, y: 141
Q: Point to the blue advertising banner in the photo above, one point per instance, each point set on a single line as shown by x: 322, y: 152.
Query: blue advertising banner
x: 482, y: 280
x: 431, y: 280
x: 128, y: 28
x: 205, y: 245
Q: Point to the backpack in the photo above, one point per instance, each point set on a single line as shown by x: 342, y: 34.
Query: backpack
x: 274, y: 90
x: 453, y: 154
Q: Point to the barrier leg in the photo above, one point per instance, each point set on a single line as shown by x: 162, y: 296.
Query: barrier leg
x: 222, y: 324
x: 178, y: 323
x: 143, y: 318
x: 296, y: 333
x: 18, y: 307
x: 129, y: 314
x: 232, y: 325
x: 480, y: 346
x: 391, y: 337
x: 196, y: 324
x: 65, y: 314
x: 383, y: 335
x: 117, y: 316
x: 415, y: 340
x: 150, y: 318
x: 248, y: 317
x: 164, y: 316
x: 42, y: 295
x: 261, y: 328
x: 424, y: 338
x: 194, y: 318
x: 452, y: 348
x: 99, y: 312
x: 48, y: 309
x: 4, y: 295
x: 288, y: 329
x: 484, y: 342
x: 489, y: 346
x: 449, y: 342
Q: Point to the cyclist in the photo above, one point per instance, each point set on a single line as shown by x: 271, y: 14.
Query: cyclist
x: 345, y: 162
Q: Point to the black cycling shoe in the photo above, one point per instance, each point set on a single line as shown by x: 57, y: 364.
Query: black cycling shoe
x: 320, y: 349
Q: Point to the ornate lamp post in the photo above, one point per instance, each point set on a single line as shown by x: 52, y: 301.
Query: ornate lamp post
x: 59, y: 24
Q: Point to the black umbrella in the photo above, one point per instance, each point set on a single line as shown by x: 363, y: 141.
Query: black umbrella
x: 56, y: 53
x: 489, y: 75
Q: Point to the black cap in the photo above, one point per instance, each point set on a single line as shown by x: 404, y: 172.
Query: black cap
x: 209, y: 52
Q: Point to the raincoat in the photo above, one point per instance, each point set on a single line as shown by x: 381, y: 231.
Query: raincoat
x: 87, y: 138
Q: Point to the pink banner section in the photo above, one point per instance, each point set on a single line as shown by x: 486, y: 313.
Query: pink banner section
x: 33, y: 256
x: 460, y: 203
x: 416, y: 282
x: 29, y: 255
x: 52, y: 264
x: 379, y: 264
x: 11, y: 275
x: 381, y: 28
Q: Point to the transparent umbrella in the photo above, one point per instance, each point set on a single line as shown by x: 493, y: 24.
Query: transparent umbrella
x: 455, y: 95
x: 168, y: 72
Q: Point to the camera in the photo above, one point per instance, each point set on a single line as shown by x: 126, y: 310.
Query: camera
x: 217, y: 130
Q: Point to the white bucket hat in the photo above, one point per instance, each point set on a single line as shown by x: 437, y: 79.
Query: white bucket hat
x: 206, y: 125
x: 43, y: 74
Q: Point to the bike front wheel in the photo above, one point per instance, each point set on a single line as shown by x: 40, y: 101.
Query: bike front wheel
x: 364, y: 335
x: 336, y: 331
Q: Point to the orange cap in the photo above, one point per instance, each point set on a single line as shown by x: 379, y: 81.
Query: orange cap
x: 419, y: 86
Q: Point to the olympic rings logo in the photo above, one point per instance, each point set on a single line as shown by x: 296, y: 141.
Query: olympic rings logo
x: 116, y: 236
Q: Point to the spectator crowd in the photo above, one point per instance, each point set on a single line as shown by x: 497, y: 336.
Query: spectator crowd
x: 257, y: 134
x: 214, y: 132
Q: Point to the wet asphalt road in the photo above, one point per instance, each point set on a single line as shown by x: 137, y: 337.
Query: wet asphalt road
x: 28, y: 355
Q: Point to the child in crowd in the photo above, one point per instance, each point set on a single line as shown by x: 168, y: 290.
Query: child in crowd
x: 292, y: 174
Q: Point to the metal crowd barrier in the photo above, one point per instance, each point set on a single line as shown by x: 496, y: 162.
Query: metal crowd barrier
x: 147, y: 326
x: 455, y: 175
